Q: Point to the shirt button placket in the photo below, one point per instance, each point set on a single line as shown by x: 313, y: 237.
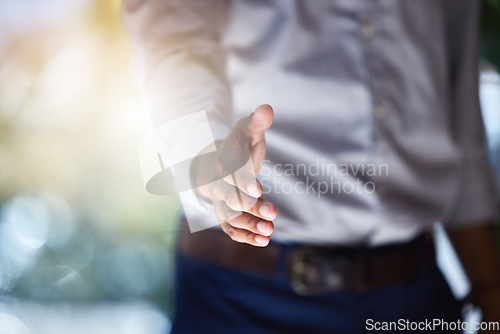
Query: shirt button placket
x: 368, y: 32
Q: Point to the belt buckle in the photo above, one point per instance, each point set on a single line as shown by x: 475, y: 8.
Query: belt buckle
x: 325, y: 278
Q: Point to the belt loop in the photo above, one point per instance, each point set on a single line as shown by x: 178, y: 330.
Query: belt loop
x: 362, y: 270
x: 425, y: 247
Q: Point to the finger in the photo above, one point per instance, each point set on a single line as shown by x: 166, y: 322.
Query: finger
x: 234, y: 198
x: 254, y: 126
x: 260, y: 121
x: 237, y: 200
x: 224, y: 213
x: 245, y: 236
x: 246, y: 182
x: 263, y: 209
x: 253, y: 224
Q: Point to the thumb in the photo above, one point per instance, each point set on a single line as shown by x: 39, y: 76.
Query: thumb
x: 259, y: 122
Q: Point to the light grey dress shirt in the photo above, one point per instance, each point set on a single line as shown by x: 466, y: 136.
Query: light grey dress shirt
x: 377, y: 131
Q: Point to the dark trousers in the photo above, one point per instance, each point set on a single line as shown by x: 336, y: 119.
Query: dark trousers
x: 213, y: 299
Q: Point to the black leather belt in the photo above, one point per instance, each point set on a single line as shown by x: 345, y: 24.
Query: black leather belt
x: 315, y: 269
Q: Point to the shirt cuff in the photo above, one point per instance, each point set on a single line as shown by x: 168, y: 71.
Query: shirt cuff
x: 477, y: 199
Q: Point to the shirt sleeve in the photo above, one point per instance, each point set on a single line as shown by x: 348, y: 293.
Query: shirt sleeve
x: 179, y: 61
x: 476, y: 200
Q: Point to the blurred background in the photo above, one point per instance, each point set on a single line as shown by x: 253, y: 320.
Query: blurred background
x: 83, y: 247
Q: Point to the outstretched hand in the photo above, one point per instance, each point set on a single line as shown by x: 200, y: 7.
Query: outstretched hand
x: 228, y: 180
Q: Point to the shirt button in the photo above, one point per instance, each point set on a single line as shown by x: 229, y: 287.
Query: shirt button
x: 379, y: 112
x: 381, y: 191
x: 368, y: 30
